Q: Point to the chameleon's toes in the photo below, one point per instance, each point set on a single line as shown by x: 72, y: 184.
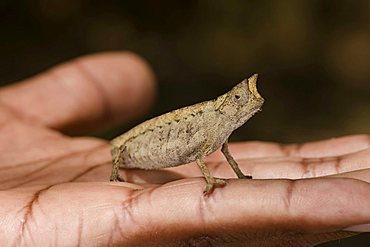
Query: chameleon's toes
x: 246, y: 177
x: 208, y: 188
x: 219, y: 182
x: 120, y: 179
x: 211, y: 184
x: 116, y: 178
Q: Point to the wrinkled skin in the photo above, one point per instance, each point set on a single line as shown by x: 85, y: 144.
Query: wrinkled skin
x: 54, y: 188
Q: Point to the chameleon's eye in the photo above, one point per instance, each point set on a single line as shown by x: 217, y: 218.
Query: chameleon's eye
x: 240, y: 98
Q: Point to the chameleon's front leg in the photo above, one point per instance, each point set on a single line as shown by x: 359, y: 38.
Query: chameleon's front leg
x: 232, y: 162
x: 211, y: 181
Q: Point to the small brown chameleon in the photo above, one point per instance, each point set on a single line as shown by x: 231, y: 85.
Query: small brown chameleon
x: 188, y: 134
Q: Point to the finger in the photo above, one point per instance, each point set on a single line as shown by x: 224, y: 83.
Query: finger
x: 363, y: 175
x: 325, y: 148
x: 259, y: 168
x: 241, y: 211
x: 70, y: 225
x: 297, y: 167
x: 89, y: 93
x: 95, y: 165
x: 80, y: 213
x: 265, y: 160
x: 331, y: 147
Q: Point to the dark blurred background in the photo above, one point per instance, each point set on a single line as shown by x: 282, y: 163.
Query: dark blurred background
x: 313, y: 56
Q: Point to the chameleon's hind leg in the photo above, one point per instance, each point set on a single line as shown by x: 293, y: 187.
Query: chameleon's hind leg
x: 114, y: 177
x: 211, y: 181
x: 232, y: 162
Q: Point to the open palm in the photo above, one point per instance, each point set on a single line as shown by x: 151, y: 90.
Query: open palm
x: 55, y: 189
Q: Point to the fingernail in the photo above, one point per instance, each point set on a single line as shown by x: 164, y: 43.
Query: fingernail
x: 358, y: 228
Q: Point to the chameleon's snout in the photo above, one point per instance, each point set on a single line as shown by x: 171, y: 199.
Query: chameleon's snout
x: 252, y: 85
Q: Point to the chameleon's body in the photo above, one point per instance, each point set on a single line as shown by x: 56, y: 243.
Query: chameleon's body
x: 188, y: 134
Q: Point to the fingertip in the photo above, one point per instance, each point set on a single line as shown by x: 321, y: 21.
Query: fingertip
x: 131, y: 88
x: 358, y: 228
x: 90, y: 93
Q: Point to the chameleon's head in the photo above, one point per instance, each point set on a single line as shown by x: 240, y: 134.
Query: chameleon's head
x: 242, y: 101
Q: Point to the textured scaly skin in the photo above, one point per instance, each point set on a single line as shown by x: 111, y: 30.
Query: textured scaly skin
x: 186, y: 134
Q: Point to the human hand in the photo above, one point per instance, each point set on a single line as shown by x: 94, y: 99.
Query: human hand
x: 54, y: 188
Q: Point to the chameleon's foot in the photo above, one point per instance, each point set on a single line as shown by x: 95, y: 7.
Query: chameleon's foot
x: 245, y: 177
x: 116, y: 178
x: 212, y: 183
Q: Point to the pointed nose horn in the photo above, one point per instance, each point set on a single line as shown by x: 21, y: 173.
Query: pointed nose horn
x: 252, y: 85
